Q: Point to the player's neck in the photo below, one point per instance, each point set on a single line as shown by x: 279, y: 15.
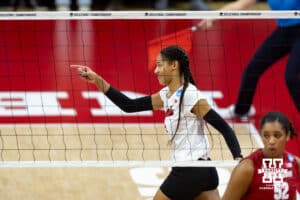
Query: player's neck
x: 267, y: 155
x: 174, y: 85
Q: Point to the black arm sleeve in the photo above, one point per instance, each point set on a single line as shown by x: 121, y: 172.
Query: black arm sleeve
x: 127, y: 104
x: 213, y: 118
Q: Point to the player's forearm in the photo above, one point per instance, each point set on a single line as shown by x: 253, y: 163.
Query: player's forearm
x: 122, y: 101
x: 214, y: 119
x: 102, y: 84
x: 127, y: 104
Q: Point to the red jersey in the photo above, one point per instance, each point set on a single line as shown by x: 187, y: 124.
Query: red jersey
x: 273, y: 179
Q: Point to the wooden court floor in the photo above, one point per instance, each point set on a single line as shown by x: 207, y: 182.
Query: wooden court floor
x: 92, y: 142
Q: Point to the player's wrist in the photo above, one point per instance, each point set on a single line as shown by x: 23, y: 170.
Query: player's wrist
x: 102, y: 85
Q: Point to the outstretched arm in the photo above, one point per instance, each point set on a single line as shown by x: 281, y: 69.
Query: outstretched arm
x: 121, y: 100
x: 203, y: 109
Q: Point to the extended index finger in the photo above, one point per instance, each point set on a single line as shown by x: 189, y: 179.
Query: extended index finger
x: 77, y: 66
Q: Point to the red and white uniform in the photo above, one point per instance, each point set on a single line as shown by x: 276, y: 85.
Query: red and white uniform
x: 275, y: 179
x: 190, y: 142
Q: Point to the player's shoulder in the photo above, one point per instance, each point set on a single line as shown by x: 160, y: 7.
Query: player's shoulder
x: 253, y: 160
x: 191, y: 87
x: 191, y: 91
x: 245, y: 166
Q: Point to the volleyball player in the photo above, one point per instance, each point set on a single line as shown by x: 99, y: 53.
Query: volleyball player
x: 268, y: 173
x: 186, y: 109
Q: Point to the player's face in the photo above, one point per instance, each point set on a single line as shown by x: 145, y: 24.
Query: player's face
x: 164, y: 71
x: 274, y: 138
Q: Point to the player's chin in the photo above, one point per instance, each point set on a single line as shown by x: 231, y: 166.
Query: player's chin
x: 274, y: 153
x: 161, y: 81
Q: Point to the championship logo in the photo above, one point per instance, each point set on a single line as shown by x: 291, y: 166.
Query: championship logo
x: 273, y: 175
x: 272, y: 170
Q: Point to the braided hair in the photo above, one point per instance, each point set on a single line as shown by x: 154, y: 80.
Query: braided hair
x: 280, y: 118
x: 176, y: 53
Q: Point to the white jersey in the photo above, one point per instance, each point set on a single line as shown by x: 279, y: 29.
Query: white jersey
x: 190, y: 142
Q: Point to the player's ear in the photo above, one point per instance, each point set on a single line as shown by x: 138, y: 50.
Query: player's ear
x: 175, y: 64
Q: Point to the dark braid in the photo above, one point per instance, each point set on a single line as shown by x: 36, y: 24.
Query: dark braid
x: 282, y: 119
x: 172, y: 53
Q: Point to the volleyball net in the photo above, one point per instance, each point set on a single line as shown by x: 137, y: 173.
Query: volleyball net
x: 49, y: 117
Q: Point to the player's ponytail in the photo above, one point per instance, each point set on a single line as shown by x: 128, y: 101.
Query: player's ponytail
x: 292, y: 130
